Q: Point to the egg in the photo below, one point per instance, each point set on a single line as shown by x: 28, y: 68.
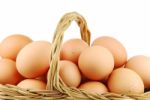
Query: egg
x: 33, y: 60
x: 8, y: 72
x: 72, y: 48
x: 32, y: 84
x: 11, y: 45
x: 69, y: 73
x: 124, y: 80
x: 115, y: 47
x: 96, y: 63
x: 141, y: 65
x: 94, y: 87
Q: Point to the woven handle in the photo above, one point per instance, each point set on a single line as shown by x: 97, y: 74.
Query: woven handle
x: 54, y: 82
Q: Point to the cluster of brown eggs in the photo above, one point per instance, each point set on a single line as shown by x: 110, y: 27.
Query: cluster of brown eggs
x: 99, y: 68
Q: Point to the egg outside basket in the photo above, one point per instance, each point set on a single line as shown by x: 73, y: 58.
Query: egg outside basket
x: 56, y: 89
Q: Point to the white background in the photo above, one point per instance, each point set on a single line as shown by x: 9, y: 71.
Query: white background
x: 126, y: 20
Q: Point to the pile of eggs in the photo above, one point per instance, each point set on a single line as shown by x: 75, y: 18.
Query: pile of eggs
x: 99, y: 68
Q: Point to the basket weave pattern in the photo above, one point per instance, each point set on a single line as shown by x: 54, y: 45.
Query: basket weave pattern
x: 56, y: 89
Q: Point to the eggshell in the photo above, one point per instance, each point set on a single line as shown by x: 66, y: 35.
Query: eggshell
x: 11, y: 45
x: 69, y: 73
x: 33, y: 60
x: 94, y: 87
x: 124, y: 80
x: 96, y: 62
x: 115, y: 47
x: 32, y: 84
x: 8, y: 72
x: 141, y: 65
x: 72, y: 48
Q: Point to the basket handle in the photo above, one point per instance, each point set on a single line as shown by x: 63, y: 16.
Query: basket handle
x: 53, y: 80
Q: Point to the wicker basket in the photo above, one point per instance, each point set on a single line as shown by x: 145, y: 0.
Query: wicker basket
x: 56, y: 89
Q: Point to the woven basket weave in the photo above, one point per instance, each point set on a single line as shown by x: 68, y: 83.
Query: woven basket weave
x: 56, y: 89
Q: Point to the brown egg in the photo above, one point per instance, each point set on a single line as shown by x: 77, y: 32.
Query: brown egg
x: 124, y: 80
x: 96, y: 63
x: 94, y: 87
x: 69, y: 73
x: 11, y: 45
x: 32, y: 84
x: 141, y: 65
x: 72, y: 49
x: 33, y: 60
x: 8, y: 72
x: 115, y: 47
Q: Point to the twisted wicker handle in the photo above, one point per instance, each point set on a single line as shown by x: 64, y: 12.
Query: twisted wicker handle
x: 54, y: 82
